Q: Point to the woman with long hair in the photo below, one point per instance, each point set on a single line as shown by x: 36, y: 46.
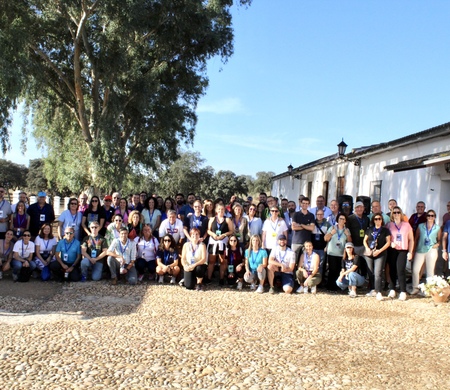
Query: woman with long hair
x: 240, y: 224
x: 169, y: 204
x: 193, y: 261
x: 167, y: 259
x: 123, y: 210
x: 45, y: 246
x: 152, y: 216
x: 6, y: 251
x: 94, y: 212
x: 235, y: 261
x: 20, y: 220
x: 350, y: 277
x: 147, y: 247
x: 255, y: 264
x: 135, y: 223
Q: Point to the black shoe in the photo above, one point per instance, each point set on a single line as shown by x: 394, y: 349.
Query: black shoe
x: 206, y: 281
x: 221, y: 282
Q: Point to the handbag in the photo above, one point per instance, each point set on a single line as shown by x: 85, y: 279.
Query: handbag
x: 45, y: 273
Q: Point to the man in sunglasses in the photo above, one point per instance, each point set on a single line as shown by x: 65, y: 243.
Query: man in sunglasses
x: 93, y: 249
x: 68, y: 256
x: 40, y: 212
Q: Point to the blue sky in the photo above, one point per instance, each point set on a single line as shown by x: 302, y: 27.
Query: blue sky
x: 307, y: 73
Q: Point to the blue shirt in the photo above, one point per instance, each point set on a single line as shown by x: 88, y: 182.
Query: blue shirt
x: 71, y: 249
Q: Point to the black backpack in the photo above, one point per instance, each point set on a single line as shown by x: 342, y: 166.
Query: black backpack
x: 24, y: 274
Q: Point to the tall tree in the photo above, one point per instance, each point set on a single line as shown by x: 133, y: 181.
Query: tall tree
x: 12, y: 175
x: 111, y: 83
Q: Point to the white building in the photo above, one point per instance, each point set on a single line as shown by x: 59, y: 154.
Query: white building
x: 409, y: 169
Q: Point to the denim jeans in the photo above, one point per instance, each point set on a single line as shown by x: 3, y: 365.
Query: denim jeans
x: 17, y: 265
x: 375, y: 268
x: 114, y: 267
x: 352, y: 279
x: 97, y: 268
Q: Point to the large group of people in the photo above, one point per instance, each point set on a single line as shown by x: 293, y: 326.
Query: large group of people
x: 194, y: 242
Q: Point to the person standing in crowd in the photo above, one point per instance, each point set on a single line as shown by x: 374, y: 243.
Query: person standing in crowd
x: 376, y: 208
x: 135, y: 224
x: 281, y: 263
x: 358, y: 223
x: 173, y: 226
x: 23, y: 253
x: 337, y: 236
x: 22, y: 198
x: 196, y: 220
x: 401, y: 251
x: 446, y: 247
x: 169, y: 204
x: 318, y: 237
x: 40, y: 212
x: 116, y: 200
x: 420, y: 216
x: 308, y: 275
x: 68, y: 256
x: 123, y: 210
x: 446, y: 216
x: 70, y: 217
x: 302, y: 226
x: 377, y: 241
x: 334, y: 207
x: 240, y: 224
x: 93, y: 213
x: 219, y: 229
x: 109, y: 212
x: 272, y: 228
x: 121, y: 257
x: 179, y: 203
x: 83, y: 205
x: 254, y: 223
x: 152, y: 216
x: 20, y: 220
x: 136, y: 203
x: 142, y: 198
x: 93, y: 250
x: 320, y: 205
x: 427, y: 240
x: 45, y: 247
x: 188, y: 208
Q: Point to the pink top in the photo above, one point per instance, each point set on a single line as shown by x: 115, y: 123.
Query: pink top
x: 399, y: 234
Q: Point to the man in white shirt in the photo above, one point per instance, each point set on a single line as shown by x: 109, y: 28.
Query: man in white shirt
x: 172, y: 226
x: 281, y: 263
x: 320, y: 205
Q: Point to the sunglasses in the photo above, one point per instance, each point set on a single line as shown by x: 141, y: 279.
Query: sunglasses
x: 27, y: 235
x: 274, y: 211
x: 396, y: 212
x: 430, y: 216
x: 167, y: 240
x: 70, y: 233
x: 74, y: 204
x: 377, y: 219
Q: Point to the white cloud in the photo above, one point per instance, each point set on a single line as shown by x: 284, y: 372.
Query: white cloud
x: 221, y: 107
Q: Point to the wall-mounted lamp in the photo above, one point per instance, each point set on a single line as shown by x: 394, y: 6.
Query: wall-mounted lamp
x: 290, y: 170
x: 447, y: 167
x: 342, y: 146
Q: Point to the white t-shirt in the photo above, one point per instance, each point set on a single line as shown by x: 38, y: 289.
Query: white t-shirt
x: 24, y: 250
x: 286, y: 257
x: 273, y: 230
x: 45, y: 245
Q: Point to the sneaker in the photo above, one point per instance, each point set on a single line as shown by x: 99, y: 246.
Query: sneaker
x: 239, y: 286
x: 402, y: 296
x: 140, y: 277
x: 172, y: 280
x: 181, y: 282
x: 371, y: 293
x: 352, y: 294
x: 260, y: 289
x: 271, y: 290
x: 202, y: 288
x: 252, y: 287
x: 15, y: 277
x: 161, y: 279
x: 198, y: 287
x: 113, y: 281
x: 305, y: 290
x: 391, y: 294
x: 379, y: 297
x: 414, y: 291
x: 300, y: 289
x: 314, y: 289
x: 83, y: 278
x: 206, y: 280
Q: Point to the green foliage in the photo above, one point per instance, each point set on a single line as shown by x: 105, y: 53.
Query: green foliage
x: 113, y: 85
x: 263, y: 182
x: 12, y: 175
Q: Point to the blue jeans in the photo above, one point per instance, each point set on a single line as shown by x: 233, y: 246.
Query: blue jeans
x: 97, y: 268
x: 352, y: 279
x: 17, y: 265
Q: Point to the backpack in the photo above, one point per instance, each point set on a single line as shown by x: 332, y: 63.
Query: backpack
x: 24, y: 275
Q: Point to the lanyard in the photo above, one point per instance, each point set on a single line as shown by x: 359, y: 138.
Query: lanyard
x: 172, y: 228
x: 67, y: 248
x: 193, y: 250
x: 166, y: 257
x: 253, y: 261
x: 2, y: 204
x: 429, y: 232
x: 23, y: 252
x: 197, y: 221
x: 122, y: 249
x: 238, y: 224
x: 282, y: 258
x: 9, y: 249
x: 46, y: 244
x: 398, y: 228
x: 20, y: 221
x: 340, y: 235
x: 361, y: 222
x: 74, y: 218
x: 94, y: 242
x: 376, y: 233
x: 276, y: 223
x: 308, y: 259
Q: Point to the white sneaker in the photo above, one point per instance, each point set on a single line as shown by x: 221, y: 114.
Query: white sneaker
x: 253, y: 287
x: 181, y: 282
x: 161, y: 279
x: 313, y: 289
x: 371, y: 293
x: 239, y: 285
x: 15, y: 277
x: 172, y: 280
x: 402, y: 296
x: 300, y: 289
x: 260, y: 289
x: 305, y: 290
x: 379, y: 297
x: 391, y: 294
x: 352, y: 294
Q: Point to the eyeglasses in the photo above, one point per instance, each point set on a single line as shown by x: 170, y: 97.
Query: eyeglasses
x: 74, y: 204
x: 274, y: 211
x: 70, y: 233
x: 27, y: 235
x: 430, y: 216
x: 396, y: 212
x: 167, y: 240
x: 341, y: 219
x: 377, y: 219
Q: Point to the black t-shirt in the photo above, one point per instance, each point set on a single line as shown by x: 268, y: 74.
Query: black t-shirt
x: 300, y: 236
x: 347, y: 264
x: 196, y: 222
x: 355, y: 225
x: 377, y: 237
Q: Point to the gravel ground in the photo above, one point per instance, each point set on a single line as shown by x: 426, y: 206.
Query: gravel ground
x: 93, y: 335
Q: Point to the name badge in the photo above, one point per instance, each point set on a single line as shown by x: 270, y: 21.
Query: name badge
x: 361, y: 233
x: 42, y: 217
x: 93, y: 253
x: 218, y: 232
x: 66, y: 257
x: 372, y: 245
x: 338, y: 244
x: 1, y: 213
x: 398, y: 237
x: 18, y: 232
x: 317, y: 237
x: 427, y: 241
x: 231, y: 269
x: 274, y: 234
x: 192, y: 260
